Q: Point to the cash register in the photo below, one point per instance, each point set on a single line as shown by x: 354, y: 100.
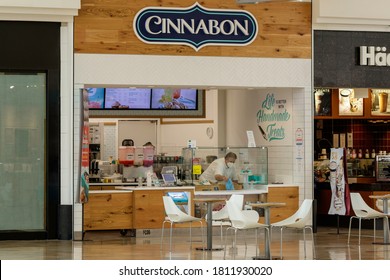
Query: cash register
x: 169, y: 179
x: 168, y: 174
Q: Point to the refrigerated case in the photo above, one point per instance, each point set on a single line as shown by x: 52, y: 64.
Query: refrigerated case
x: 251, y: 164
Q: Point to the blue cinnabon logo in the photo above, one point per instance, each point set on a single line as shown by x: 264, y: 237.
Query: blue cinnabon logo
x: 195, y: 26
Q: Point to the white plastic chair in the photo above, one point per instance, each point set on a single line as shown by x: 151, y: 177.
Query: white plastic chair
x: 363, y: 212
x: 301, y: 219
x: 222, y: 216
x: 243, y: 220
x: 175, y: 216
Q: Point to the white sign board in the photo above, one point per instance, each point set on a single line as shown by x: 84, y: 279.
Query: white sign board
x: 251, y: 139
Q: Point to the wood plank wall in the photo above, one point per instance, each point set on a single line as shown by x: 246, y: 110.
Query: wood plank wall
x: 106, y: 27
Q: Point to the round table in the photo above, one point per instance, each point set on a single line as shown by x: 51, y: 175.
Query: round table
x: 267, y: 206
x: 384, y: 198
x: 209, y: 201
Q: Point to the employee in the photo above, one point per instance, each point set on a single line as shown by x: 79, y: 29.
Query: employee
x: 221, y: 170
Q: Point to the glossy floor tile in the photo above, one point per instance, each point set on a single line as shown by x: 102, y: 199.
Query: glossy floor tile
x: 111, y: 245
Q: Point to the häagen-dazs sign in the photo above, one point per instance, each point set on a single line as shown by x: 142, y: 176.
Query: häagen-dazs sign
x: 374, y: 56
x: 195, y: 26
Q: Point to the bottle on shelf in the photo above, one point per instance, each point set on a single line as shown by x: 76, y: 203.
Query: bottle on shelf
x: 360, y: 154
x: 367, y: 154
x: 179, y: 174
x: 373, y: 153
x: 353, y: 153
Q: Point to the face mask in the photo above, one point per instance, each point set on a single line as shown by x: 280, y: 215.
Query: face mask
x: 230, y: 164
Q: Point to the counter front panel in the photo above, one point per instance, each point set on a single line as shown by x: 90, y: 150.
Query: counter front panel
x: 129, y: 207
x: 107, y: 210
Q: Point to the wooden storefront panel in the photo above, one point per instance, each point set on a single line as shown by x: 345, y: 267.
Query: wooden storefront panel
x: 106, y: 27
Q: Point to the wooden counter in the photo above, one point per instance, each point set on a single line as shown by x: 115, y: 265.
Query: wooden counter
x: 108, y: 210
x: 286, y: 194
x: 149, y: 208
x: 109, y: 186
x: 126, y: 206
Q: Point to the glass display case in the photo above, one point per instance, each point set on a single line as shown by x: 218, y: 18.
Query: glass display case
x: 361, y: 168
x: 251, y: 164
x: 187, y: 164
x: 356, y: 168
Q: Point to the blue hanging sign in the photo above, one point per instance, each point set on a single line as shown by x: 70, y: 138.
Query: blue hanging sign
x: 195, y: 26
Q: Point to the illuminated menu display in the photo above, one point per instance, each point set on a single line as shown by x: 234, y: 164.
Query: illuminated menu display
x: 95, y: 98
x: 174, y: 99
x: 127, y: 98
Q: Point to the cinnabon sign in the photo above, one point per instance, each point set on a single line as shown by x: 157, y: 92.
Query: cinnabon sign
x: 195, y: 26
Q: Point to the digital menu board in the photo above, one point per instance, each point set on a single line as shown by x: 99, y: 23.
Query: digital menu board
x: 127, y: 98
x: 176, y: 99
x: 129, y: 101
x: 95, y: 98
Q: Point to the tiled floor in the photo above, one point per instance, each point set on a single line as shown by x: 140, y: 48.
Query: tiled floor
x: 110, y: 245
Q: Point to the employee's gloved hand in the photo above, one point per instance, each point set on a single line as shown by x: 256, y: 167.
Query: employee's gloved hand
x: 229, y: 185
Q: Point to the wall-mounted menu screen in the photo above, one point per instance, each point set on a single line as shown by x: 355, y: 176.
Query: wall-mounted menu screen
x: 146, y: 102
x: 127, y: 98
x: 95, y: 98
x: 177, y: 99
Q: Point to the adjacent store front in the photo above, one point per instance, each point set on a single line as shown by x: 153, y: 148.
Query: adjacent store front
x: 36, y: 80
x: 30, y: 142
x: 350, y: 67
x: 351, y: 70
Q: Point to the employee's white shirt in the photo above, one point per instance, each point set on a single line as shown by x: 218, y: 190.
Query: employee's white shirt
x: 218, y: 166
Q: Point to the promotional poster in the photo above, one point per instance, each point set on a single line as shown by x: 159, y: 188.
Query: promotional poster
x: 84, y: 164
x: 274, y: 120
x: 339, y: 204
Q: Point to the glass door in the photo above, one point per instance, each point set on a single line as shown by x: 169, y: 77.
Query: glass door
x: 22, y: 151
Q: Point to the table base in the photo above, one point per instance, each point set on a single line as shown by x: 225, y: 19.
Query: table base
x: 265, y: 258
x: 208, y: 249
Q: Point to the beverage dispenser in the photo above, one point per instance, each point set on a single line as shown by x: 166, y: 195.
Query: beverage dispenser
x: 139, y: 156
x: 148, y: 152
x: 126, y: 155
